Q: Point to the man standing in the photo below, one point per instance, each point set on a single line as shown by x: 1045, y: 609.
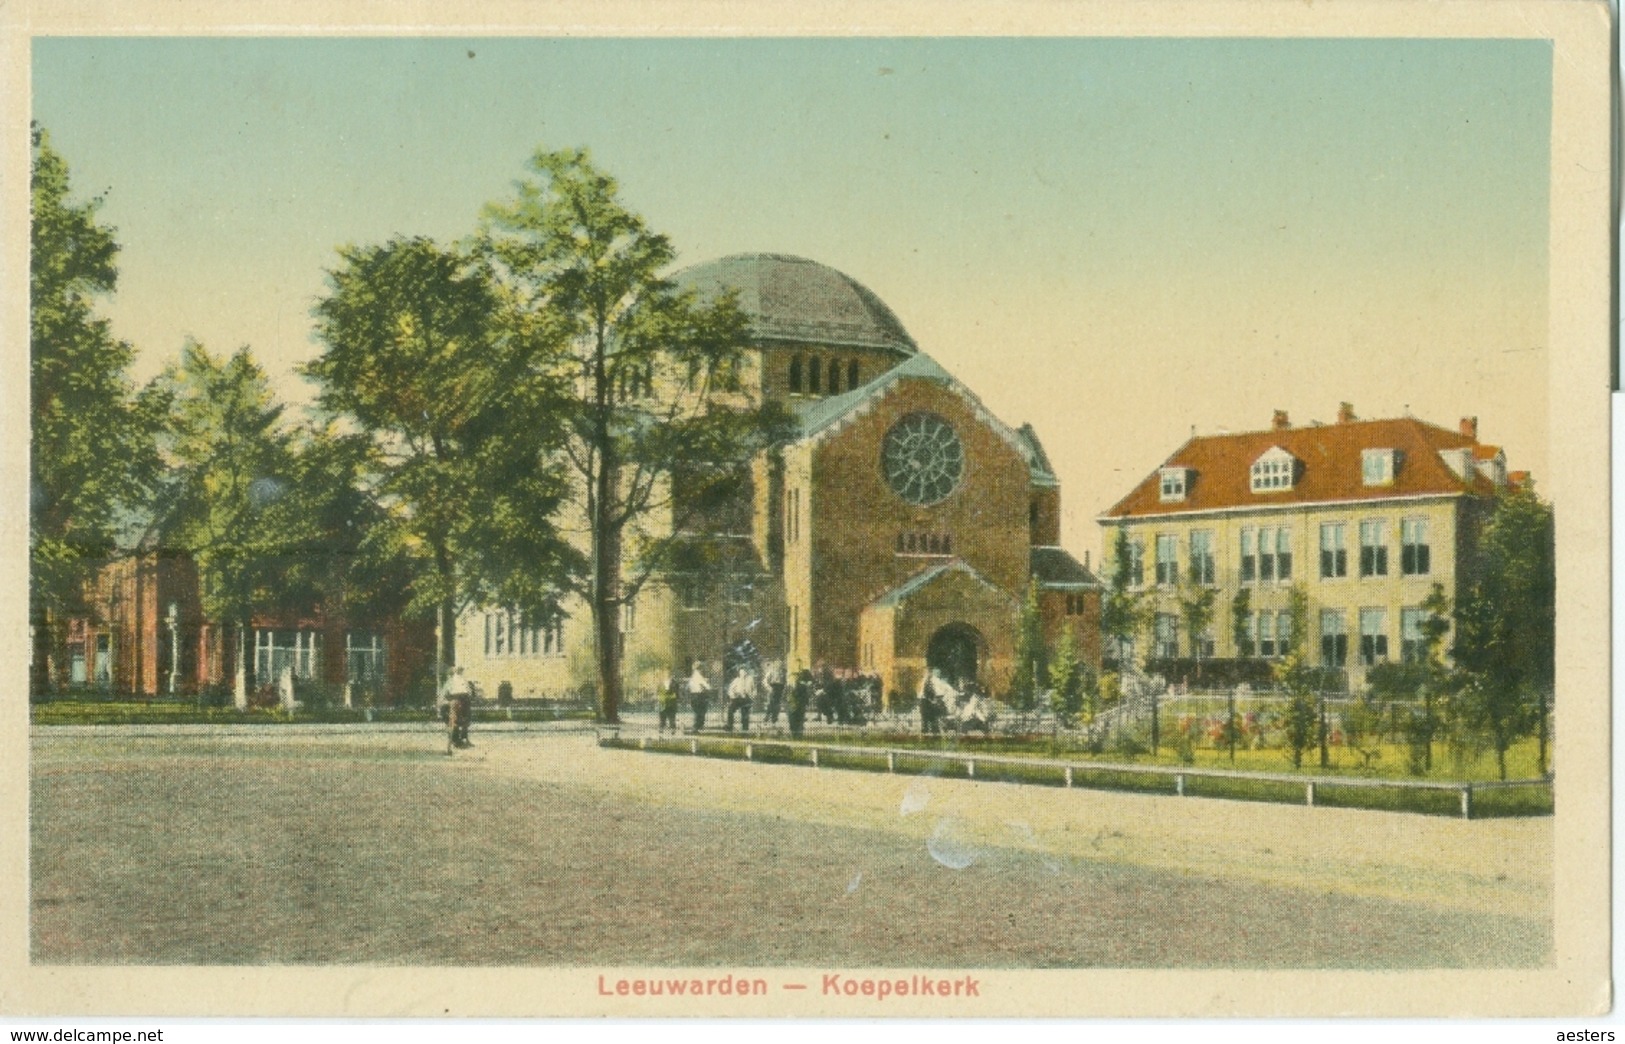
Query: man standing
x: 801, y: 695
x: 458, y: 697
x: 740, y: 693
x: 699, y: 694
x: 774, y: 679
x: 668, y: 703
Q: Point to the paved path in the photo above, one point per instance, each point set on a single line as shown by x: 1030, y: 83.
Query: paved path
x: 540, y: 848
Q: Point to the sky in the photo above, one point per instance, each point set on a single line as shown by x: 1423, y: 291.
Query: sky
x: 1119, y: 240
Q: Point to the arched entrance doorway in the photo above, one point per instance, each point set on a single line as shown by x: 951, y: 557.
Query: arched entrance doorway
x: 955, y: 650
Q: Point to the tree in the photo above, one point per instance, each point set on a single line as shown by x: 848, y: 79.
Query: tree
x: 1067, y: 678
x: 643, y: 380
x: 92, y: 445
x: 1196, y: 611
x: 1241, y: 613
x: 231, y: 490
x: 459, y: 442
x: 1030, y: 653
x: 1121, y: 611
x: 1505, y: 646
x: 1296, y: 677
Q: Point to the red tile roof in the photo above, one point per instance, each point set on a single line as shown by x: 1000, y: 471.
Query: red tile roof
x: 1329, y: 467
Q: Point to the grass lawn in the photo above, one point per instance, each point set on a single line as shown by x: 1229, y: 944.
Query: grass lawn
x: 916, y: 758
x: 1391, y: 762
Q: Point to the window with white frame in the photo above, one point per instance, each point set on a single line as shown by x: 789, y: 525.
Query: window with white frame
x: 1136, y: 563
x: 1377, y: 467
x: 1249, y: 561
x: 364, y: 658
x: 1373, y: 548
x: 1205, y: 645
x: 1167, y: 636
x: 1173, y: 483
x: 1415, y: 557
x: 1274, y: 554
x: 1412, y: 643
x: 1334, y: 555
x: 1373, y: 636
x: 1334, y: 638
x: 1167, y: 560
x: 1283, y: 633
x: 1264, y: 625
x: 276, y: 650
x: 1202, y: 571
x: 1273, y: 471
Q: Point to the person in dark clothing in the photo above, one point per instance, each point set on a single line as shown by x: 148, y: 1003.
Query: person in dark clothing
x: 668, y: 703
x: 825, y: 693
x: 801, y: 694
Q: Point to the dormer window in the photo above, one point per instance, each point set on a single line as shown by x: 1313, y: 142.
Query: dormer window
x: 1174, y: 481
x: 1377, y: 466
x: 1273, y: 471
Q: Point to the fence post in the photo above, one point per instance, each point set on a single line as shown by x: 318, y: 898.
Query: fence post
x: 747, y: 752
x: 970, y: 768
x: 1069, y: 775
x: 1467, y: 801
x: 1309, y: 794
x: 1179, y: 784
x: 693, y: 746
x: 815, y: 757
x: 643, y: 743
x: 891, y: 761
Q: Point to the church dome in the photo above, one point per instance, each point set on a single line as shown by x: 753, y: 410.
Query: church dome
x: 793, y: 299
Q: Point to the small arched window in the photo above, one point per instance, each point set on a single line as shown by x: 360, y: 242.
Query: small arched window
x: 834, y: 376
x: 851, y: 375
x: 795, y: 375
x: 813, y: 375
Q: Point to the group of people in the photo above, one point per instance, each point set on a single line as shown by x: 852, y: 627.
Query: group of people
x: 845, y: 698
x: 963, y: 705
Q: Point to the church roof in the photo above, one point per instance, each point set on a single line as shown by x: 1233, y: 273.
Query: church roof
x: 902, y: 592
x: 792, y: 299
x: 1056, y: 568
x: 819, y: 416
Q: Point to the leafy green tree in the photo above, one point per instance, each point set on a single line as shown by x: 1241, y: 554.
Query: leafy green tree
x: 231, y: 487
x: 1505, y: 645
x: 1196, y: 612
x: 1296, y: 677
x: 1122, y: 612
x: 1067, y: 678
x: 92, y: 436
x: 459, y: 444
x: 1030, y: 653
x: 1241, y: 611
x: 643, y: 380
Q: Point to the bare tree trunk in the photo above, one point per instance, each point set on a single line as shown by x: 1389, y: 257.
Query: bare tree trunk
x: 606, y: 601
x: 41, y: 680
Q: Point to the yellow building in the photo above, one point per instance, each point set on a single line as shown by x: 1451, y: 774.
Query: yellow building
x: 899, y: 528
x: 1365, y: 516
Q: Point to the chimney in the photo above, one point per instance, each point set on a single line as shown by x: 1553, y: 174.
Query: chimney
x: 1469, y: 427
x: 1345, y: 413
x: 1281, y: 423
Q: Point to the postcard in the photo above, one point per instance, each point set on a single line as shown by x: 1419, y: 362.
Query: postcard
x: 740, y: 511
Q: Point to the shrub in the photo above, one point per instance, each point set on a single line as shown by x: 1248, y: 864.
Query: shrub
x: 1215, y: 673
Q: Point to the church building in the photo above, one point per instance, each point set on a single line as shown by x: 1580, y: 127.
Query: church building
x: 899, y: 528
